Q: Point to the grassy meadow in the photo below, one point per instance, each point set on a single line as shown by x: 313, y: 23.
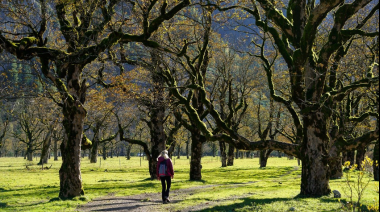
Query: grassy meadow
x: 243, y: 187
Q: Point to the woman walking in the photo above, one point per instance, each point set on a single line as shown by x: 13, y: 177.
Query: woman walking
x: 165, y: 173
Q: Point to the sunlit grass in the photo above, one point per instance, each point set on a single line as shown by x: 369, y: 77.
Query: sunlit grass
x: 243, y: 187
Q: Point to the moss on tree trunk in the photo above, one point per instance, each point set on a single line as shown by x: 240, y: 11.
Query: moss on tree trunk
x: 315, y: 171
x: 196, y: 155
x: 73, y: 121
x: 70, y: 173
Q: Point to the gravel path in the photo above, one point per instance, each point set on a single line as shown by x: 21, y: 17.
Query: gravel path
x: 151, y: 202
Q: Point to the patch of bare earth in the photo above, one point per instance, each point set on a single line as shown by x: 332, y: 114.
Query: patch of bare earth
x: 148, y: 202
x: 152, y: 201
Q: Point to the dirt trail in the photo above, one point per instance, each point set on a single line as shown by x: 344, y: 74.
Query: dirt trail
x: 141, y: 202
x: 148, y: 202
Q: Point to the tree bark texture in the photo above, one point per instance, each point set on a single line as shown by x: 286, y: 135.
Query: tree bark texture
x: 336, y: 170
x: 158, y: 136
x: 55, y: 149
x: 230, y: 155
x: 104, y: 151
x: 178, y: 152
x: 315, y: 171
x: 45, y: 153
x: 129, y: 152
x: 94, y: 151
x: 157, y: 109
x: 264, y: 155
x: 196, y: 156
x: 223, y: 155
x: 157, y: 146
x: 70, y: 173
x: 73, y: 121
x: 29, y: 155
x: 46, y: 148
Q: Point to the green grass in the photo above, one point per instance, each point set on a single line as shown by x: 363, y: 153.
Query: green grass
x: 243, y: 187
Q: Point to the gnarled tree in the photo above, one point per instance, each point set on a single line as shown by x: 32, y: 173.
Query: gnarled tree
x: 86, y: 29
x: 314, y: 87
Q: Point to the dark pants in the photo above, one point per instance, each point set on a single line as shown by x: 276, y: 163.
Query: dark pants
x: 165, y: 187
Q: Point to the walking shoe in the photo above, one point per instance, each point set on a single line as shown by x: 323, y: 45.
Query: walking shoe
x: 168, y: 200
x: 165, y: 202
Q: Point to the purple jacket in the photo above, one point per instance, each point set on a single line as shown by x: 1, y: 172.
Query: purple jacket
x: 169, y: 166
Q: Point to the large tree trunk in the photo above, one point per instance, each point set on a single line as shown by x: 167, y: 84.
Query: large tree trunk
x: 29, y: 153
x: 158, y: 145
x: 335, y: 164
x: 223, y: 155
x: 264, y: 155
x: 70, y: 173
x: 45, y: 153
x: 230, y: 155
x: 178, y: 152
x: 46, y: 148
x: 157, y: 119
x: 158, y: 141
x: 196, y: 155
x: 315, y: 171
x: 360, y: 154
x: 376, y: 161
x: 94, y: 151
x: 104, y: 155
x: 129, y: 151
x: 73, y: 121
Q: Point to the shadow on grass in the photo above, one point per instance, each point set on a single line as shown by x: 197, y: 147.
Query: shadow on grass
x: 145, y: 184
x: 55, y: 199
x: 3, y: 205
x: 147, y: 179
x: 246, y: 202
x: 255, y: 204
x: 104, y: 181
x: 32, y: 191
x: 202, y: 181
